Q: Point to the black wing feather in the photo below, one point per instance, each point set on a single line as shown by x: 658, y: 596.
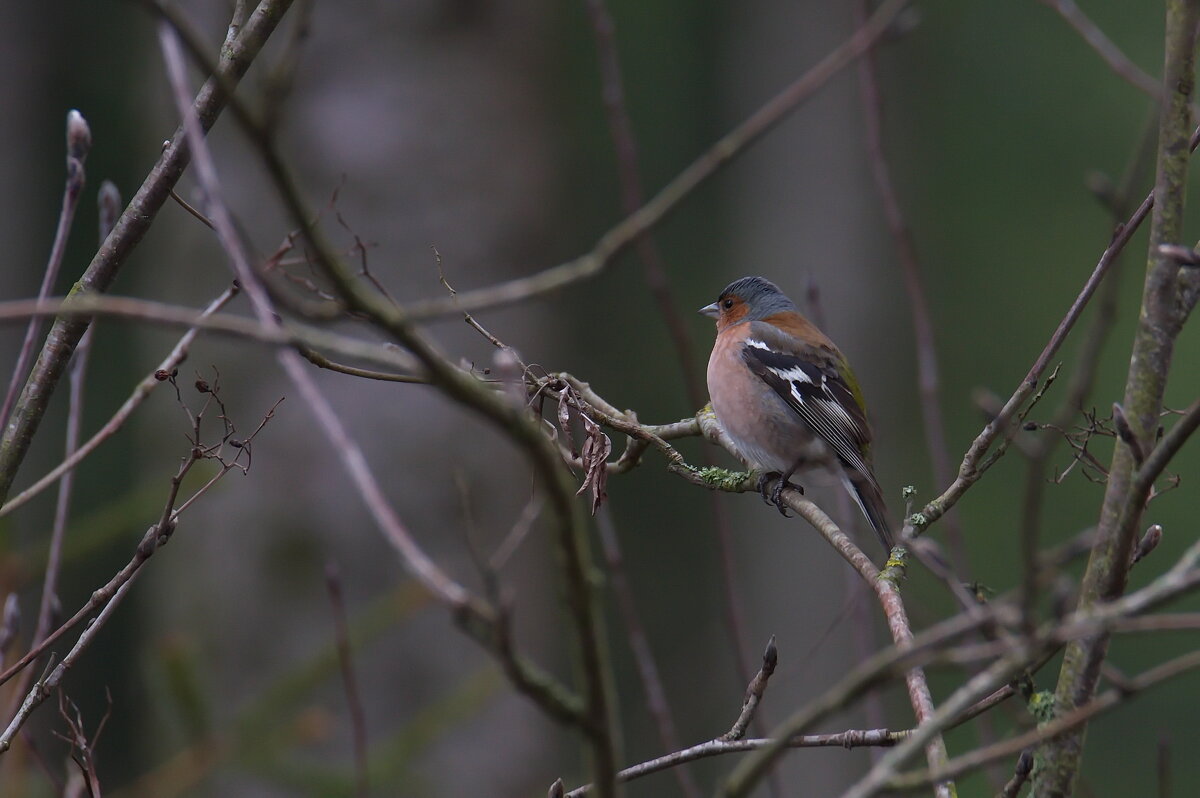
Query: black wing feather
x: 820, y: 398
x: 824, y: 402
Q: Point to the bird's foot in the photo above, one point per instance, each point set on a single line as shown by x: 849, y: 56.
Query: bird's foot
x: 775, y: 495
x: 764, y: 479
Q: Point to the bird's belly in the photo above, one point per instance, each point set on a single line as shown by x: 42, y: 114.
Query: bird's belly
x: 773, y: 440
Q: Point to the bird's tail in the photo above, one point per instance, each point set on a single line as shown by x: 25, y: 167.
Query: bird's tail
x: 866, y: 494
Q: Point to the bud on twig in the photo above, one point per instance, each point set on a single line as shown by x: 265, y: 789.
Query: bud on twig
x: 79, y: 136
x: 79, y: 142
x: 109, y: 200
x: 1148, y: 543
x: 1184, y: 256
x: 11, y: 622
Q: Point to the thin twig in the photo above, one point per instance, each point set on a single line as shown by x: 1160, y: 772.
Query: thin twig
x: 294, y: 334
x: 1117, y: 61
x: 79, y: 143
x: 517, y: 534
x: 155, y: 537
x: 110, y: 427
x: 322, y: 362
x: 358, y: 721
x: 1020, y: 775
x: 46, y: 686
x: 110, y: 596
x: 62, y: 508
x: 754, y: 692
x: 851, y: 738
x: 733, y: 741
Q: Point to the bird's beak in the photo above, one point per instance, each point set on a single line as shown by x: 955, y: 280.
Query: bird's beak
x: 710, y: 310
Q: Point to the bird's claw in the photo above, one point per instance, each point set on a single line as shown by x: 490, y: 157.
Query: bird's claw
x: 764, y: 479
x: 775, y: 495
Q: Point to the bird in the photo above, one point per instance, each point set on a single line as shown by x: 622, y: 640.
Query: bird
x: 787, y: 399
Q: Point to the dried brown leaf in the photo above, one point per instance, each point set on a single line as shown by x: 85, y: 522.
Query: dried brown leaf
x: 596, y: 449
x: 564, y: 419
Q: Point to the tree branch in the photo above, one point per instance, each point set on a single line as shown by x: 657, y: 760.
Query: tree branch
x: 1161, y: 319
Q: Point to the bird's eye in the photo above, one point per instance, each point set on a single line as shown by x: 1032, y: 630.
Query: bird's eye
x: 727, y: 303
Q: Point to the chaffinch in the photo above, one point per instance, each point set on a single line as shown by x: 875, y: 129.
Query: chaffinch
x: 787, y: 397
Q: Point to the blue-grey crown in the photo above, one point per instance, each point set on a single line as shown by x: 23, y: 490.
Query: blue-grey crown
x: 762, y: 295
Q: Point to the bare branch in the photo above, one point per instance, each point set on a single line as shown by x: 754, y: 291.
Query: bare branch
x: 333, y: 584
x: 294, y: 334
x: 1117, y: 61
x: 852, y: 738
x: 1020, y: 775
x: 76, y: 455
x: 754, y: 693
x: 79, y: 143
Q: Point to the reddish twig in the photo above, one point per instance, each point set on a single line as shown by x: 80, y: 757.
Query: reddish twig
x: 79, y: 143
x: 358, y: 721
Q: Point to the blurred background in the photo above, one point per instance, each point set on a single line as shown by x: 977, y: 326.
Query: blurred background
x: 478, y: 128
